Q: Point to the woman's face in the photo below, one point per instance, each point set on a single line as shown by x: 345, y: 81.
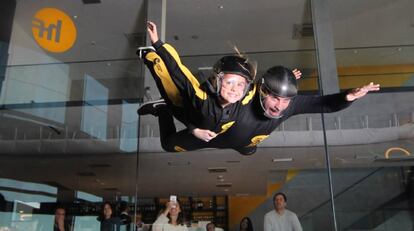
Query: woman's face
x: 244, y: 224
x: 107, y: 211
x: 175, y: 210
x: 232, y: 87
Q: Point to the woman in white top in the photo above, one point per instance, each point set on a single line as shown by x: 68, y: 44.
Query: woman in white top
x: 171, y: 219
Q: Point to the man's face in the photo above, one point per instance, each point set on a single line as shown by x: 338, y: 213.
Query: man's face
x: 275, y: 105
x: 232, y: 87
x: 279, y: 202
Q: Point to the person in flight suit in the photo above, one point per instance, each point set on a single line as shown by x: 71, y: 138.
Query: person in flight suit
x: 239, y: 125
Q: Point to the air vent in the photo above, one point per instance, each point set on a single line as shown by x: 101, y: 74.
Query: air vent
x: 110, y: 189
x: 302, y: 31
x: 91, y: 1
x: 86, y: 174
x: 217, y: 169
x: 99, y: 165
x: 224, y: 185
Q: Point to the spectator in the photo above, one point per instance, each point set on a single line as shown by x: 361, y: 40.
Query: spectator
x: 108, y: 220
x: 246, y: 224
x: 60, y: 223
x: 210, y: 227
x: 171, y: 219
x: 281, y: 219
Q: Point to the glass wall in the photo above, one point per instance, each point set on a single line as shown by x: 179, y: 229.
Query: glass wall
x: 70, y: 87
x: 70, y: 137
x: 373, y: 178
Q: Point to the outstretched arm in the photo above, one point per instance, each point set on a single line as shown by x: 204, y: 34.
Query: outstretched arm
x: 182, y: 82
x: 330, y: 103
x: 360, y: 92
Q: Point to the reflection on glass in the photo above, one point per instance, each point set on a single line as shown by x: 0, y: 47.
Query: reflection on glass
x: 95, y: 113
x: 88, y: 197
x: 37, y: 84
x: 128, y: 139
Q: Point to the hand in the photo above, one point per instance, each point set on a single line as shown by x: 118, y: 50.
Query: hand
x: 360, y: 92
x: 297, y: 73
x: 204, y: 134
x: 168, y: 206
x: 152, y: 31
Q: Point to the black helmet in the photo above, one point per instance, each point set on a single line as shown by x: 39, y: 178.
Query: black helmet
x: 235, y: 65
x: 280, y: 81
x: 277, y: 81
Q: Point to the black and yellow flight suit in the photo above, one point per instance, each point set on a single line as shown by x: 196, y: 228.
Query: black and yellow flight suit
x: 241, y: 126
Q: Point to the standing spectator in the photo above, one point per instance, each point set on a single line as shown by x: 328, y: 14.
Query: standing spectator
x: 60, y: 223
x: 108, y: 220
x: 281, y: 219
x: 246, y: 224
x: 171, y: 219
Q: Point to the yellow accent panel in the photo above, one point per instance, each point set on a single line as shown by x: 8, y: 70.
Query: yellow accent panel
x: 240, y: 207
x: 179, y: 149
x: 166, y: 80
x: 226, y: 126
x: 351, y: 77
x: 291, y: 174
x: 249, y: 96
x: 193, y: 80
x: 388, y: 80
x: 256, y: 140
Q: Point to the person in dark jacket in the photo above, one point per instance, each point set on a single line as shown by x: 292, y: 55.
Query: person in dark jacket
x: 241, y: 125
x: 109, y: 222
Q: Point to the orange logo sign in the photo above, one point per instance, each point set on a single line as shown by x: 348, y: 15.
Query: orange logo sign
x: 53, y: 30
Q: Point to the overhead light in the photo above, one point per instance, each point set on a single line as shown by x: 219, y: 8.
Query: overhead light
x: 224, y: 185
x: 205, y: 68
x: 288, y: 159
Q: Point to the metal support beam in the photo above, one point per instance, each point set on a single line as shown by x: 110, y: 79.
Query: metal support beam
x: 325, y: 51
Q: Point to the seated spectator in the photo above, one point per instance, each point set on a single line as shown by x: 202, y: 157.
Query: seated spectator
x: 60, y: 223
x: 109, y: 222
x: 246, y: 224
x: 171, y: 219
